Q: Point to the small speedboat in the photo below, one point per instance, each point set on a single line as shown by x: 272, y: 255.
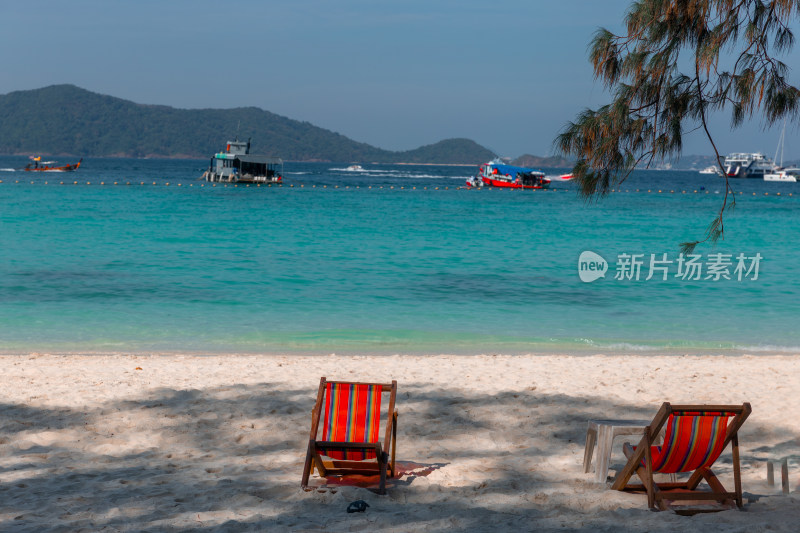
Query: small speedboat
x: 713, y: 169
x: 355, y: 168
x: 497, y: 174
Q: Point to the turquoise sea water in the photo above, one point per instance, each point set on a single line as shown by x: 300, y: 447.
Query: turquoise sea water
x: 353, y: 269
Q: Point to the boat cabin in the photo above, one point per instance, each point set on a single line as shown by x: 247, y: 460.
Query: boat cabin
x: 236, y: 164
x: 529, y: 179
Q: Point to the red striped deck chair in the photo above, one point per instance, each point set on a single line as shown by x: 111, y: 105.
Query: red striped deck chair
x: 351, y: 419
x: 694, y: 438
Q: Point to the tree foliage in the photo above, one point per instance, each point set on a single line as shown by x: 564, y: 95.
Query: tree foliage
x: 730, y: 50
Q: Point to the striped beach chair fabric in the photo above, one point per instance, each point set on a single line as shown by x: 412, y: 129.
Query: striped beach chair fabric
x: 694, y: 438
x: 352, y: 414
x: 351, y: 444
x: 691, y: 441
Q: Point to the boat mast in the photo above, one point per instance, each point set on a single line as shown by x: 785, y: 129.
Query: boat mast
x: 781, y: 140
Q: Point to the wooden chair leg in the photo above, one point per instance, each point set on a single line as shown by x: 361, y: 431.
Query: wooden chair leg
x: 716, y: 486
x: 383, y: 461
x: 737, y: 475
x: 323, y: 472
x: 621, y: 480
x: 694, y: 479
x: 307, y: 467
x: 317, y: 461
x: 394, y: 444
x: 648, y: 482
x: 654, y: 494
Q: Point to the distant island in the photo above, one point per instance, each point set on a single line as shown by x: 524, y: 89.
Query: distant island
x: 534, y: 161
x: 67, y: 120
x: 698, y: 162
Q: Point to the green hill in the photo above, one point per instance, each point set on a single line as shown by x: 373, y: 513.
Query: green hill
x: 528, y: 160
x: 68, y: 120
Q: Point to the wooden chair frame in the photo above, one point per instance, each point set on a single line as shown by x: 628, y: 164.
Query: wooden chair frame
x: 660, y: 494
x: 384, y: 450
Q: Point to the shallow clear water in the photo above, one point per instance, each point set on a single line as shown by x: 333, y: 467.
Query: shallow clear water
x: 320, y: 269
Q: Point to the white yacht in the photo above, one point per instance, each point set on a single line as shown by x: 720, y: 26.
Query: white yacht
x: 779, y: 173
x: 713, y: 169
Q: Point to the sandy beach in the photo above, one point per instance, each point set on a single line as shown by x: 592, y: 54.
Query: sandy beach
x: 172, y: 442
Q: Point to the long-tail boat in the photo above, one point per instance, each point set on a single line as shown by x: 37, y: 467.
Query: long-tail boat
x: 497, y: 174
x: 45, y: 166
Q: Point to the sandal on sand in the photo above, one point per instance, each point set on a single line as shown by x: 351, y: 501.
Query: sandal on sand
x: 358, y: 506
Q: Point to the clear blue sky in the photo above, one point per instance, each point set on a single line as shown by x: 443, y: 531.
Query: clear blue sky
x: 395, y: 74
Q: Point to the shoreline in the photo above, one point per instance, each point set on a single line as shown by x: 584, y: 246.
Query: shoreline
x: 646, y: 352
x: 135, y: 442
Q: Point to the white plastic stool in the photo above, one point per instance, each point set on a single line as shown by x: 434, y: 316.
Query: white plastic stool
x: 603, y: 432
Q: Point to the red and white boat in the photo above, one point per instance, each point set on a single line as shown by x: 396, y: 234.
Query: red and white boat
x: 45, y: 166
x: 498, y: 174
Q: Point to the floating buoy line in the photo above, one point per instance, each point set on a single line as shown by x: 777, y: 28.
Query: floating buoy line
x: 388, y: 187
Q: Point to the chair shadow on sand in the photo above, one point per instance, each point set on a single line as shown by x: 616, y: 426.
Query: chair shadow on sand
x: 407, y: 472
